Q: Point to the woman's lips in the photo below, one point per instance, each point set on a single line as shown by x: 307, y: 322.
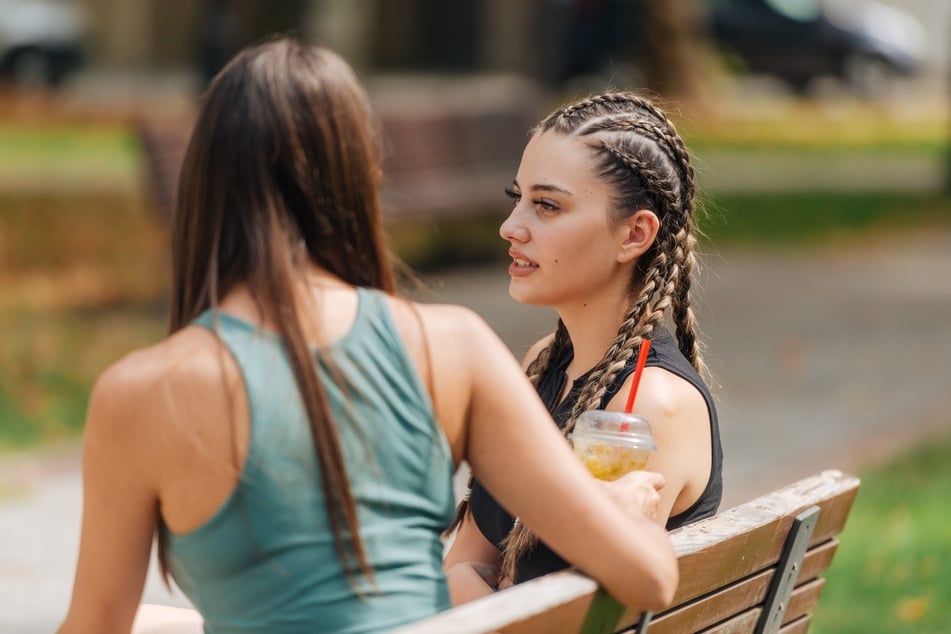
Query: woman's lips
x: 521, y: 266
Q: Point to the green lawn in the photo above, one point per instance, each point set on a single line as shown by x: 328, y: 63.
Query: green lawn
x: 891, y: 573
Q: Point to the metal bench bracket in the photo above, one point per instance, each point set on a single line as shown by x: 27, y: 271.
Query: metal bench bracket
x: 787, y: 572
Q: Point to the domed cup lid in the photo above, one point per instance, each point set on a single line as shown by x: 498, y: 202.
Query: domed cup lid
x: 615, y: 428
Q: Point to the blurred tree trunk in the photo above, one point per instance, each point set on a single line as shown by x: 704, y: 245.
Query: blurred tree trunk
x: 678, y: 50
x: 256, y: 19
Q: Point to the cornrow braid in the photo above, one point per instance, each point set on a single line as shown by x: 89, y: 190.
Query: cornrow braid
x: 684, y: 318
x: 621, y: 123
x: 685, y: 323
x: 667, y: 138
x: 639, y: 324
x: 607, y: 99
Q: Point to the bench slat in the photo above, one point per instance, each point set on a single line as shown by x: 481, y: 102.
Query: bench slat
x: 713, y: 608
x: 818, y: 560
x: 804, y: 598
x: 740, y: 624
x: 800, y: 626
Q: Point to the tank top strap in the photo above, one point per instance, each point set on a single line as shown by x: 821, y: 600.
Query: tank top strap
x: 375, y: 343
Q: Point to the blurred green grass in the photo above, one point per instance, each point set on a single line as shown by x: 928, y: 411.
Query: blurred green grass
x: 890, y: 573
x: 102, y: 155
x: 798, y: 218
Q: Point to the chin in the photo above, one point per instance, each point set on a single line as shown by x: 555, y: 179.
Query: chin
x: 524, y: 295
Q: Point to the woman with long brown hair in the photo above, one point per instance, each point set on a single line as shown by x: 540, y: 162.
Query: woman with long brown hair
x: 292, y: 440
x: 602, y: 230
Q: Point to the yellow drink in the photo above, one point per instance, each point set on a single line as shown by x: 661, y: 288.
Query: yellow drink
x: 610, y: 462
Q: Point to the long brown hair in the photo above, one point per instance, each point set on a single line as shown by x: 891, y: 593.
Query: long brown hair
x: 283, y: 168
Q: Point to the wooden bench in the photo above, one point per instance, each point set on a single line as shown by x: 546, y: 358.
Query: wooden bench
x: 754, y: 568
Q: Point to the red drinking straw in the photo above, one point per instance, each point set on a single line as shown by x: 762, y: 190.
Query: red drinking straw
x: 639, y: 369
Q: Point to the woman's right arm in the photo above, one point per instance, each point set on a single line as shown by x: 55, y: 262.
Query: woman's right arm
x: 472, y: 563
x: 506, y: 435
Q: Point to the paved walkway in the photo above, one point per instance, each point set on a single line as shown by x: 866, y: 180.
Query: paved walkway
x: 822, y: 359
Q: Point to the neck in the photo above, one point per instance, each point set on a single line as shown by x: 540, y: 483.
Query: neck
x: 592, y: 325
x: 310, y: 284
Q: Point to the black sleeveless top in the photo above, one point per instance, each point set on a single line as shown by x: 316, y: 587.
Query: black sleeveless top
x: 495, y: 522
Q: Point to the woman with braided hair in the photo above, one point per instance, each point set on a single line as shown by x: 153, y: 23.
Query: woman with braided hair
x: 602, y: 231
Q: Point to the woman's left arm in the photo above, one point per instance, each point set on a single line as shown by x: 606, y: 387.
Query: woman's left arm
x: 120, y: 507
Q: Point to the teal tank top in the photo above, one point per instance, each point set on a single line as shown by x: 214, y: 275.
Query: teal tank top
x: 266, y: 560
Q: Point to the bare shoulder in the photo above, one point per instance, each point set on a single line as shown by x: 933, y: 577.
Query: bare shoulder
x: 136, y: 388
x: 662, y: 395
x: 446, y: 323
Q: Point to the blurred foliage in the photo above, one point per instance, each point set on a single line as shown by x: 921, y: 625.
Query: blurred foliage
x: 69, y: 155
x: 890, y: 573
x: 795, y: 219
x: 83, y: 280
x: 807, y: 125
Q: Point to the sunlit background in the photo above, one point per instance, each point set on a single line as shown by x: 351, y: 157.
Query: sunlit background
x: 820, y: 134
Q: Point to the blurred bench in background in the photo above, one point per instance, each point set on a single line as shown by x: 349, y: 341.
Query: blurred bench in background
x: 450, y: 147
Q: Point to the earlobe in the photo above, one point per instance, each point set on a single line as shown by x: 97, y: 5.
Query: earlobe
x: 640, y: 231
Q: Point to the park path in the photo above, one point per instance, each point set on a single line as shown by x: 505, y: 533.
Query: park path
x: 830, y: 357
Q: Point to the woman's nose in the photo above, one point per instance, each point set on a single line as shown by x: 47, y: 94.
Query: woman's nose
x: 512, y: 228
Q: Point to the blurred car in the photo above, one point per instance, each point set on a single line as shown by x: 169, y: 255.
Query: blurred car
x: 41, y: 41
x: 863, y: 43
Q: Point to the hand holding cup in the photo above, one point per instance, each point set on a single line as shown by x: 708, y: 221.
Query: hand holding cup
x: 637, y: 493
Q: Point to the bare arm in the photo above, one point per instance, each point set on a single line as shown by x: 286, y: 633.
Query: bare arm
x: 119, y: 515
x: 472, y: 563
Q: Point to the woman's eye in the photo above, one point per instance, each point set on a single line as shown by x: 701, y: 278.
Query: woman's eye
x: 513, y: 195
x: 545, y: 204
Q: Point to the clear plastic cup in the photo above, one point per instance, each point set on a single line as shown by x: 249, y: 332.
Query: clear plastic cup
x: 611, y: 444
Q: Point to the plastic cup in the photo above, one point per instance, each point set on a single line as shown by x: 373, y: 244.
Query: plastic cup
x: 611, y: 444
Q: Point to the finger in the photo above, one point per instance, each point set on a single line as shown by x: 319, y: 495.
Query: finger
x: 657, y: 480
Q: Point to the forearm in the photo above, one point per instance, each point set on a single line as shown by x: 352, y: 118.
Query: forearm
x: 470, y: 580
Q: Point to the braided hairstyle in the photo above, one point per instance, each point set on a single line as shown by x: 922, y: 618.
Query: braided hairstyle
x: 639, y: 154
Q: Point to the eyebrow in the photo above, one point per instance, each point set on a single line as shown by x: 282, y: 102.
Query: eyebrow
x: 546, y: 188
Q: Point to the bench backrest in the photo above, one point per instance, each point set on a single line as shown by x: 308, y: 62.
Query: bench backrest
x: 754, y: 568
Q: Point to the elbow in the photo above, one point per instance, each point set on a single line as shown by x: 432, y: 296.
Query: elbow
x: 654, y: 591
x: 662, y: 586
x: 659, y: 575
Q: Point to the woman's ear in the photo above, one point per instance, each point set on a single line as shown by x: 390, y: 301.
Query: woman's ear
x: 638, y: 232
